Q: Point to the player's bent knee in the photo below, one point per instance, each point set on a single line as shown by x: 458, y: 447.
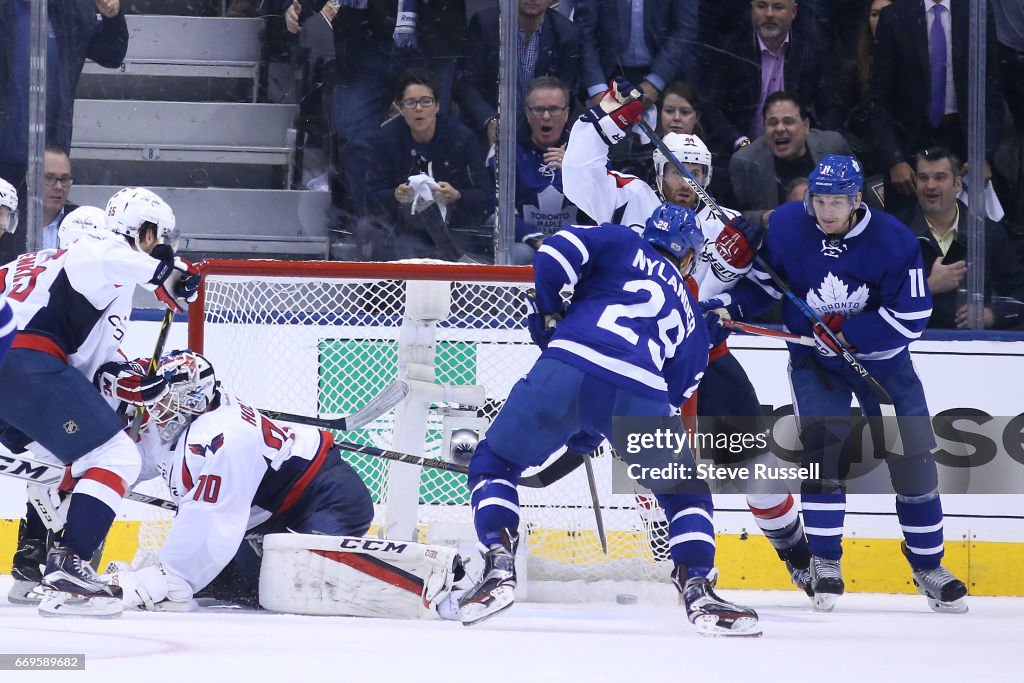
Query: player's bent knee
x: 486, y: 464
x: 118, y: 455
x: 352, y: 576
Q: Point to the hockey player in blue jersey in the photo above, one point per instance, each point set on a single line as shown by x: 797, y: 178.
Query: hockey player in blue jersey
x: 861, y: 272
x: 726, y: 402
x: 631, y: 342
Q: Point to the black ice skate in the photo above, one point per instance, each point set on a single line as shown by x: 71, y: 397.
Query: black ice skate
x: 27, y: 570
x: 801, y: 577
x: 946, y: 594
x: 826, y: 583
x: 494, y: 592
x: 72, y: 588
x: 709, y: 613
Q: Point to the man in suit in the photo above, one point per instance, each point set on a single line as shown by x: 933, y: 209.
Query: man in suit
x: 548, y: 45
x: 939, y: 220
x: 649, y: 42
x: 763, y: 171
x: 771, y: 55
x: 919, y: 88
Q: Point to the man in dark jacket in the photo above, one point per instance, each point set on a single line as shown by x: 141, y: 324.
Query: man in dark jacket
x: 549, y: 45
x: 940, y: 221
x: 75, y: 35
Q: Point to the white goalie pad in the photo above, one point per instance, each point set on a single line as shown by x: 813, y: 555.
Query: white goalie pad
x: 355, y: 576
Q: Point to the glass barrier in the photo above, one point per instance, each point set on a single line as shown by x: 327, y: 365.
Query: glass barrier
x: 356, y: 130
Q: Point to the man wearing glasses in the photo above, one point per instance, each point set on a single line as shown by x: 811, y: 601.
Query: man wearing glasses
x: 57, y: 183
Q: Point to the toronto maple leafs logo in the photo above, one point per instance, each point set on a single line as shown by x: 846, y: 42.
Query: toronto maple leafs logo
x: 833, y: 247
x: 550, y: 212
x: 833, y: 297
x: 202, y: 449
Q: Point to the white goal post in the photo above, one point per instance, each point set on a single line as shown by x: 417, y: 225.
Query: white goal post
x: 322, y: 338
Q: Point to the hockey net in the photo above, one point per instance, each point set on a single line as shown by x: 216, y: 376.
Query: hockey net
x: 322, y: 339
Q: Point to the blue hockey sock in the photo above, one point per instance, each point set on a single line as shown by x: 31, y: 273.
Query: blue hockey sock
x: 691, y: 531
x: 824, y: 515
x: 94, y: 503
x: 921, y: 520
x: 493, y: 495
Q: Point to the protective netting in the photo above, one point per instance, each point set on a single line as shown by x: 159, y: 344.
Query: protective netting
x: 325, y: 343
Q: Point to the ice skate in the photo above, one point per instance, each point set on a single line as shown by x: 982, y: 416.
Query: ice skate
x: 27, y: 569
x: 801, y: 577
x: 495, y: 590
x: 709, y: 613
x: 826, y: 583
x: 72, y: 588
x: 946, y: 594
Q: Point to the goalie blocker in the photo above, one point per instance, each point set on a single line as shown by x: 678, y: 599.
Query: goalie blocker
x: 356, y: 576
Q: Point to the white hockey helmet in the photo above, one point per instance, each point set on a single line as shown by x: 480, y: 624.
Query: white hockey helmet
x: 8, y: 200
x: 686, y: 147
x: 89, y: 222
x: 193, y: 386
x: 129, y: 209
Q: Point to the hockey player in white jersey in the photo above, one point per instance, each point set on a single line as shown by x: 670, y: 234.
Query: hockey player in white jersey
x: 71, y: 307
x: 8, y: 217
x: 238, y: 476
x: 726, y: 401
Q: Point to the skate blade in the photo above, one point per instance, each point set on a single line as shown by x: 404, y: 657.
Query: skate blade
x: 60, y: 604
x: 955, y: 607
x: 744, y: 627
x: 824, y: 602
x: 501, y: 599
x: 25, y: 593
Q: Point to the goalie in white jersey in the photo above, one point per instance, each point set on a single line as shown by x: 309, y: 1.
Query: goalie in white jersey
x: 70, y: 307
x: 726, y: 401
x: 238, y: 476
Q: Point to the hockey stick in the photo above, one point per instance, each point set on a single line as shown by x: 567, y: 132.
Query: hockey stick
x: 766, y: 332
x: 387, y: 399
x: 534, y: 481
x: 886, y: 406
x: 592, y: 482
x: 154, y: 362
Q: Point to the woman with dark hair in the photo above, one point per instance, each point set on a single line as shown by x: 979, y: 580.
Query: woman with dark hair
x: 427, y: 178
x: 856, y: 89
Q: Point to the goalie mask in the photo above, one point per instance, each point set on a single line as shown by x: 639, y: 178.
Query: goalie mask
x: 133, y: 207
x: 8, y: 207
x: 89, y: 222
x: 192, y: 388
x: 689, y: 149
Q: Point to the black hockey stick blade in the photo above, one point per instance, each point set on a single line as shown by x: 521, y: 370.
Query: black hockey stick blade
x: 154, y: 363
x: 387, y: 399
x: 155, y: 501
x: 892, y: 438
x: 598, y: 517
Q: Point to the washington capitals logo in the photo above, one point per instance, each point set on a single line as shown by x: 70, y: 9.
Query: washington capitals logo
x: 833, y: 247
x: 201, y: 449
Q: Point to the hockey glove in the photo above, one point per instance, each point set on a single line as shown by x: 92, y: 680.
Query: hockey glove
x: 723, y: 306
x: 540, y: 326
x: 738, y: 241
x: 825, y: 343
x: 129, y: 382
x: 151, y: 588
x: 585, y: 443
x: 175, y: 278
x: 717, y: 332
x: 619, y: 108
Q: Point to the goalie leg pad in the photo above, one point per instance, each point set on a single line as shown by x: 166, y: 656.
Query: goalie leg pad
x: 354, y: 576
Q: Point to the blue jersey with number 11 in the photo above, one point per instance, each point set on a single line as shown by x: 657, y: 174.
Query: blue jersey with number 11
x: 632, y: 320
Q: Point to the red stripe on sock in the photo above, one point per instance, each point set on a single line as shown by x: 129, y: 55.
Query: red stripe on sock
x: 107, y: 478
x: 774, y: 512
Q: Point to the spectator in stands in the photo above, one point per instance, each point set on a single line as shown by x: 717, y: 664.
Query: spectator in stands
x: 940, y: 222
x: 650, y: 42
x: 548, y: 44
x: 541, y: 206
x: 75, y: 35
x: 773, y: 54
x: 57, y: 181
x: 838, y: 25
x: 796, y: 189
x: 919, y: 88
x: 790, y: 148
x: 374, y: 44
x: 1010, y: 48
x: 427, y: 177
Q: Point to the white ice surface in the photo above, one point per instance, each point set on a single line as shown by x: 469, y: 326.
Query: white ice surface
x: 872, y: 638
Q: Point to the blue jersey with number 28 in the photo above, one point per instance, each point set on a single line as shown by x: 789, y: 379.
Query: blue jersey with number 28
x: 632, y: 320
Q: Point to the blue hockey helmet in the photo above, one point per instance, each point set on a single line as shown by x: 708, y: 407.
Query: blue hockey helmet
x: 835, y: 174
x: 674, y: 229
